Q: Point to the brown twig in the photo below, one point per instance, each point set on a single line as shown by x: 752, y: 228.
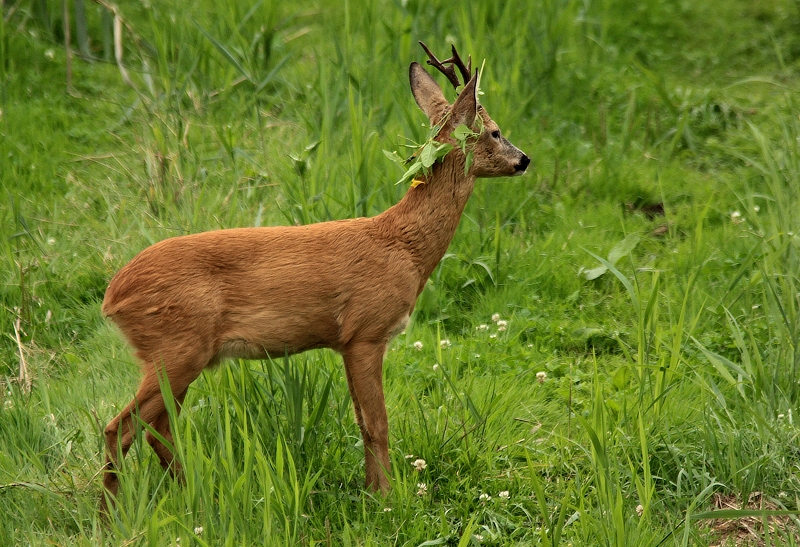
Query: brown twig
x: 118, y: 50
x: 24, y: 374
x: 119, y: 22
x: 12, y: 11
x: 115, y: 12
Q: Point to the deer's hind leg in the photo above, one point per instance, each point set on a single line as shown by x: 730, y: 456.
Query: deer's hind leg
x: 148, y: 407
x: 162, y: 427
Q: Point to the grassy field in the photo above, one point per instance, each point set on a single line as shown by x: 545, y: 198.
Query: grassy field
x: 607, y: 354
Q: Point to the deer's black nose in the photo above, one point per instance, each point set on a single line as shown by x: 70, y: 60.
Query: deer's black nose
x: 523, y: 164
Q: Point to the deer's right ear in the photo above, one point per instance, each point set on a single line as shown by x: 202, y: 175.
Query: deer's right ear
x: 466, y: 106
x: 427, y: 93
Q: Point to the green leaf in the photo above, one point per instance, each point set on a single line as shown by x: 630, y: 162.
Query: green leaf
x: 594, y: 273
x: 468, y: 162
x: 428, y: 155
x: 621, y: 377
x: 394, y: 157
x: 462, y: 133
x: 443, y: 149
x: 415, y: 168
x: 625, y: 281
x: 623, y: 248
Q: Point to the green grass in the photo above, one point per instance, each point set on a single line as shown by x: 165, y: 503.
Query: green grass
x: 672, y: 376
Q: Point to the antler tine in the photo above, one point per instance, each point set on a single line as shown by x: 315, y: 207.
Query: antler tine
x: 466, y: 71
x: 448, y: 71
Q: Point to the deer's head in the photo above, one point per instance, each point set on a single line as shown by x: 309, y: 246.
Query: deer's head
x: 493, y: 155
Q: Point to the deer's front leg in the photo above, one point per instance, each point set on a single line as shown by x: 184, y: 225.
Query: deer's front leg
x: 363, y: 362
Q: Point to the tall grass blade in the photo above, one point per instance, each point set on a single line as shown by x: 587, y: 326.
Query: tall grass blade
x: 226, y: 53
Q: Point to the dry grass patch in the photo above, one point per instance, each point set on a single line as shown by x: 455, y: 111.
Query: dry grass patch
x: 749, y: 530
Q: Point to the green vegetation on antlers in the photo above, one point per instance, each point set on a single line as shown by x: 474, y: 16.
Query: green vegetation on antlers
x: 431, y: 151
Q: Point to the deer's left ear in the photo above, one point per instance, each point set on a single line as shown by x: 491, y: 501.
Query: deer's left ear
x: 466, y: 106
x: 427, y: 93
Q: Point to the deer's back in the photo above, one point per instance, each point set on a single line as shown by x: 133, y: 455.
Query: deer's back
x: 258, y: 291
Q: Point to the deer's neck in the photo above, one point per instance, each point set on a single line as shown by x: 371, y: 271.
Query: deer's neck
x: 425, y: 220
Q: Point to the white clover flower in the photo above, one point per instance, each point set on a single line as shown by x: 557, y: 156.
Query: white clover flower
x: 482, y: 326
x: 477, y: 537
x: 756, y: 208
x: 640, y: 509
x: 736, y: 217
x: 445, y: 343
x: 484, y: 497
x: 541, y: 376
x: 501, y: 329
x: 418, y: 345
x: 198, y: 530
x: 409, y: 456
x: 422, y: 488
x: 504, y: 495
x: 496, y: 317
x: 419, y: 464
x: 493, y: 335
x: 387, y: 509
x: 436, y: 367
x: 502, y: 323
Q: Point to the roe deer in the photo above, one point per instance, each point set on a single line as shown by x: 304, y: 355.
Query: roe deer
x: 350, y: 285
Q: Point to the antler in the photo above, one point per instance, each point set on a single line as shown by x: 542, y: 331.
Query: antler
x: 449, y: 71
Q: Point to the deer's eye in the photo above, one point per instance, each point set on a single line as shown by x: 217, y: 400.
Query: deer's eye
x: 496, y: 135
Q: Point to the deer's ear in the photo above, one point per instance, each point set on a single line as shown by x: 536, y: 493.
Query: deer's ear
x: 427, y: 93
x: 466, y: 106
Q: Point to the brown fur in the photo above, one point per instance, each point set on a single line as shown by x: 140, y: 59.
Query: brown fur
x: 350, y: 285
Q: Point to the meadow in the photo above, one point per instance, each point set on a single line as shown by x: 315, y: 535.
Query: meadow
x: 607, y: 355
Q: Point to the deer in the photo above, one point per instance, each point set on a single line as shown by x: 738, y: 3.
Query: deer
x: 188, y: 302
